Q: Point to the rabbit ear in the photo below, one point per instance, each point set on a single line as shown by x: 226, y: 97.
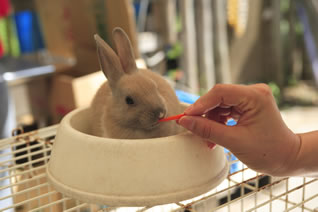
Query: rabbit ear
x: 108, y: 60
x: 124, y: 50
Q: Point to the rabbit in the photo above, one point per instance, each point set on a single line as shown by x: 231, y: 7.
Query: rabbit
x: 130, y: 103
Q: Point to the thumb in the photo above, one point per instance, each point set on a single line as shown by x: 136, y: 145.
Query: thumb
x: 209, y: 129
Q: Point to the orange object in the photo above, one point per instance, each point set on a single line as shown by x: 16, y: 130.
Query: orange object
x: 176, y: 117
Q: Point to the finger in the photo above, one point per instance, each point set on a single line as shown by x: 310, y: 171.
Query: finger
x: 221, y: 94
x: 209, y: 129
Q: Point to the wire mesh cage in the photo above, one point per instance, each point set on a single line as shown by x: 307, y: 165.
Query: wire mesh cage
x: 24, y: 186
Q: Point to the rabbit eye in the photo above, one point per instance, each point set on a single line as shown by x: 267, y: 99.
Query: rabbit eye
x: 129, y: 100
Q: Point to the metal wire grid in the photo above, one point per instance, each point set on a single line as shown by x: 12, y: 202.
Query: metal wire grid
x: 24, y: 187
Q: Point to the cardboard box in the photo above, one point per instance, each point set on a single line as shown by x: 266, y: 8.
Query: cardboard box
x: 55, y: 20
x: 89, y: 17
x: 120, y: 13
x: 69, y: 92
x: 87, y: 60
x: 69, y: 27
x: 99, y: 16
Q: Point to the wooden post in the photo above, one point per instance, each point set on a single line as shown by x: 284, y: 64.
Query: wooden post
x: 241, y: 47
x: 170, y: 21
x: 222, y: 41
x: 277, y: 44
x: 189, y: 58
x: 204, y: 24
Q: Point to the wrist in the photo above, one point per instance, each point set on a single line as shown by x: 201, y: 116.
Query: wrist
x: 290, y: 163
x: 306, y: 162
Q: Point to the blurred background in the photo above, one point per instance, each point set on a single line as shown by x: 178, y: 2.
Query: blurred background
x: 49, y: 66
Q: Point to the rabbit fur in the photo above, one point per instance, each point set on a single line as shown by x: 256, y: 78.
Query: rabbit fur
x: 131, y: 101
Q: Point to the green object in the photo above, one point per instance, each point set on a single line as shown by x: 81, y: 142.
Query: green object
x: 175, y: 52
x: 284, y: 6
x: 179, y: 23
x: 276, y: 91
x: 14, y: 46
x: 8, y: 37
x: 172, y: 74
x: 292, y: 81
x: 4, y: 36
x: 100, y: 15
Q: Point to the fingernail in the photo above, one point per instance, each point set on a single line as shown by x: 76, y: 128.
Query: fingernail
x: 188, y: 110
x: 187, y: 123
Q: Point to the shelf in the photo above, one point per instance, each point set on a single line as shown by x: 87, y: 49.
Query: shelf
x: 20, y: 70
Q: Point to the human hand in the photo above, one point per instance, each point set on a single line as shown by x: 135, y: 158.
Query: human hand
x: 260, y: 139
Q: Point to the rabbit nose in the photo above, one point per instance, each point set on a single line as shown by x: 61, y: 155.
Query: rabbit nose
x: 160, y: 113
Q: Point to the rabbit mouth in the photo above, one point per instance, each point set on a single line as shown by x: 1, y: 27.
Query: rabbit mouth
x: 153, y: 125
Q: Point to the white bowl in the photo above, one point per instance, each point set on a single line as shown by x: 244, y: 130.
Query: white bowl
x: 131, y: 172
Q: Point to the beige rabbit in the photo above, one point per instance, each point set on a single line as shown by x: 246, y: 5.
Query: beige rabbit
x: 131, y: 101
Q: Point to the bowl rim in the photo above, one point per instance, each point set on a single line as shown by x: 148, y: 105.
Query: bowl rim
x: 66, y: 122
